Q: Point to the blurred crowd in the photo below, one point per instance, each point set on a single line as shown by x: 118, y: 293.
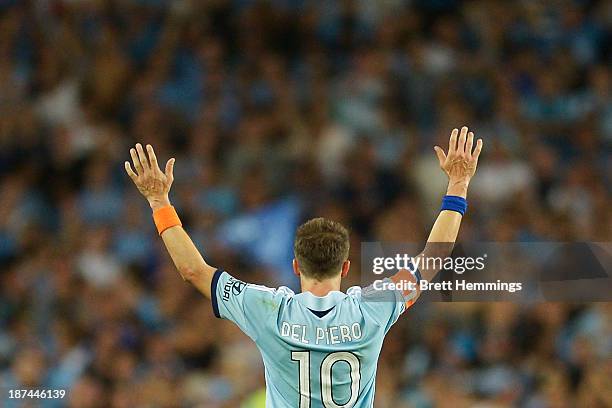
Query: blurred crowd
x: 277, y: 111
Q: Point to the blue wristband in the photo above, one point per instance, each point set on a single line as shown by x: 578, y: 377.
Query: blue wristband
x: 454, y: 203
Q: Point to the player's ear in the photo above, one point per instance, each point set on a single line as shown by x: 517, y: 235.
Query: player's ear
x: 296, y: 267
x: 346, y: 265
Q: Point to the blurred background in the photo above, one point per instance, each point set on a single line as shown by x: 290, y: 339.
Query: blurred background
x: 277, y: 111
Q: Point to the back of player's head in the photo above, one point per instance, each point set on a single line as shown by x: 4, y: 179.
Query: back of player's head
x: 321, y: 247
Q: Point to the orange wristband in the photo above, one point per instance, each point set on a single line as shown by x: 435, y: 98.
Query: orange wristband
x: 165, y: 218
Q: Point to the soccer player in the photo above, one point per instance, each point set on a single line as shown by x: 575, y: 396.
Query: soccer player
x: 320, y: 347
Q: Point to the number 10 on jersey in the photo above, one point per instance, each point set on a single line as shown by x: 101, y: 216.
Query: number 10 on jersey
x: 327, y: 397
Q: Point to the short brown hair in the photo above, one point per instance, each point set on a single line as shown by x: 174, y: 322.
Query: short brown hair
x: 321, y: 246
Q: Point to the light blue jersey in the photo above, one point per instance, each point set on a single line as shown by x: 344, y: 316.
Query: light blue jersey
x: 317, y: 351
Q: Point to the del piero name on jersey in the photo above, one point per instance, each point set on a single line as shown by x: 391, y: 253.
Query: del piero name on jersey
x: 329, y: 335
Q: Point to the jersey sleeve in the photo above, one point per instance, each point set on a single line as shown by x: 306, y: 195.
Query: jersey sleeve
x: 245, y: 304
x: 386, y: 299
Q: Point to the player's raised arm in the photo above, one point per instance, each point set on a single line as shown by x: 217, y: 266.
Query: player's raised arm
x: 155, y: 185
x: 459, y: 164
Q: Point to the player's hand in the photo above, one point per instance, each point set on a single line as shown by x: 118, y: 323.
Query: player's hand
x: 148, y: 177
x: 461, y: 160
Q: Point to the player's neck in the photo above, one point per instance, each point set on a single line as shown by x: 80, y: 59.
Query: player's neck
x: 320, y: 288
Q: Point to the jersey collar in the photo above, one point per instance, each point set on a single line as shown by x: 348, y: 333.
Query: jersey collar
x: 320, y: 303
